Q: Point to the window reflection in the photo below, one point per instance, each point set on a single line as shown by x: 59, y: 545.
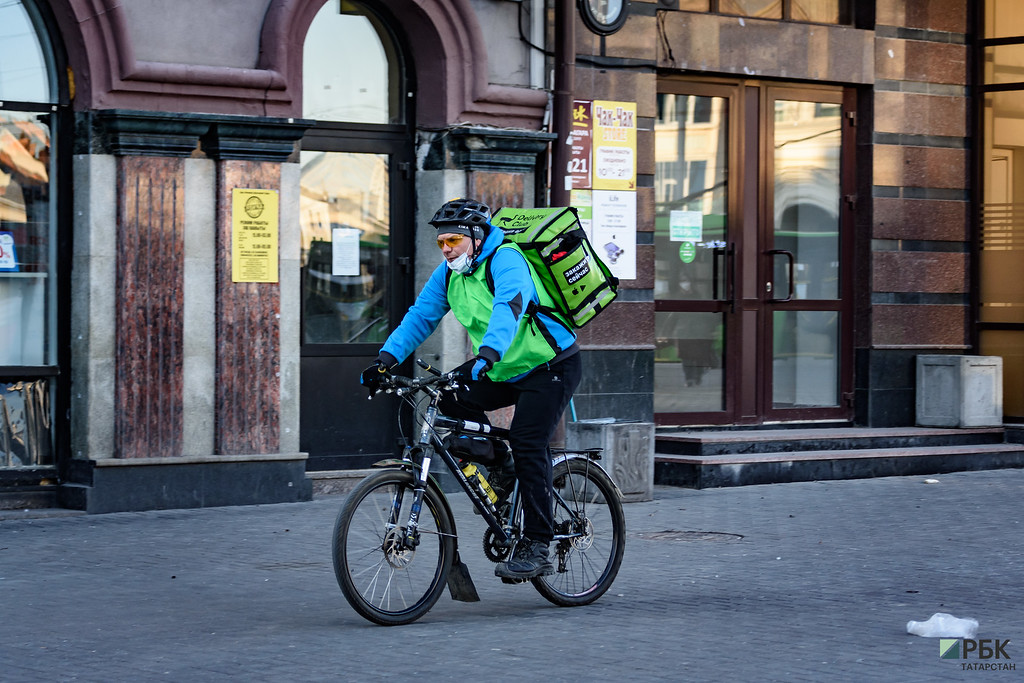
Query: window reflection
x: 690, y: 353
x: 691, y: 173
x: 23, y: 69
x: 344, y: 205
x: 691, y: 156
x: 25, y: 240
x: 763, y: 9
x: 806, y: 181
x: 1004, y: 18
x: 818, y: 11
x: 25, y: 424
x: 805, y: 359
x: 1001, y: 148
x: 347, y: 68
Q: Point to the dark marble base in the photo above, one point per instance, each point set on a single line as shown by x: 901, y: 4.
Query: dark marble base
x: 885, y: 387
x: 616, y: 383
x: 173, y: 483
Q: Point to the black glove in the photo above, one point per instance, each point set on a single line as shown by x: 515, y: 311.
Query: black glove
x: 373, y: 375
x: 473, y: 369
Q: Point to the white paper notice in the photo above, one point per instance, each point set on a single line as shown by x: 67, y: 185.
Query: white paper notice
x: 686, y: 226
x: 614, y: 231
x: 344, y: 251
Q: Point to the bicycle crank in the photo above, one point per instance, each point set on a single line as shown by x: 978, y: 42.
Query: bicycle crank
x: 493, y: 550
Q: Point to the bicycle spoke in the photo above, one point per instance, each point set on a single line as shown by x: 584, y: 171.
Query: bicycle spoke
x: 383, y: 579
x: 589, y: 535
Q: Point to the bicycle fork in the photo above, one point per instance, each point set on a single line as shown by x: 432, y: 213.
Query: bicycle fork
x: 411, y: 530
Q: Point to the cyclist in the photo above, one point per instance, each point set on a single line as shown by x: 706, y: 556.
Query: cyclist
x: 524, y: 357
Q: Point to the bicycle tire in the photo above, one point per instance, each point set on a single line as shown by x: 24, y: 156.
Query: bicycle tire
x: 587, y: 564
x: 387, y: 586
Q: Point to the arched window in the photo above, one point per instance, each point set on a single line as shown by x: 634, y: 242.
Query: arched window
x: 351, y: 68
x: 28, y: 244
x: 355, y: 207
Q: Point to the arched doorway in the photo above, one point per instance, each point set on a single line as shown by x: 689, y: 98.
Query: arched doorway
x: 356, y: 217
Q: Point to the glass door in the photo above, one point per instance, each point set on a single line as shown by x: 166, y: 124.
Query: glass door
x: 752, y: 290
x: 694, y: 283
x: 804, y: 289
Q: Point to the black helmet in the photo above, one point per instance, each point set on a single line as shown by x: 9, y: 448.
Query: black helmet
x: 474, y: 215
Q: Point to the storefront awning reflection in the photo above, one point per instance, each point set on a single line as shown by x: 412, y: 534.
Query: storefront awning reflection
x: 14, y: 158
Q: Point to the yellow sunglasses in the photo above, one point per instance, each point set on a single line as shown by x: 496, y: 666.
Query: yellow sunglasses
x: 453, y: 241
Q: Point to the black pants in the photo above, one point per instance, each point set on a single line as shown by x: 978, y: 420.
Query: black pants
x: 540, y: 399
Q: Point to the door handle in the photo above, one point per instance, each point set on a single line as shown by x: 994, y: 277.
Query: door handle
x: 790, y: 270
x: 730, y: 274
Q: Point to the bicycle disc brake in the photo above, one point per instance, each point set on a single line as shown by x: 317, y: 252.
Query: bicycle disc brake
x: 395, y: 551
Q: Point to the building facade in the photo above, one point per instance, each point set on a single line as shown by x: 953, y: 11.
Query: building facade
x: 213, y: 215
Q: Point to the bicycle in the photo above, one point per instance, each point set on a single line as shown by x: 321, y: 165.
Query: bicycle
x: 395, y: 544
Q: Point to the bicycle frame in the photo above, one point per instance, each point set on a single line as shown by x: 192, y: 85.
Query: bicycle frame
x: 377, y: 567
x: 429, y: 443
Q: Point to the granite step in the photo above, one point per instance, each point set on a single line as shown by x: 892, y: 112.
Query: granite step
x: 727, y: 442
x: 742, y: 469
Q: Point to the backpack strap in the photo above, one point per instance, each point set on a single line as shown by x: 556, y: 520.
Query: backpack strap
x: 533, y: 308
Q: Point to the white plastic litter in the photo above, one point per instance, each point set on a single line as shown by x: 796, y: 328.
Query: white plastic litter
x: 942, y: 625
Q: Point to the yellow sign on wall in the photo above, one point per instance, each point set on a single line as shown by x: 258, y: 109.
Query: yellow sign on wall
x: 614, y: 145
x: 254, y: 234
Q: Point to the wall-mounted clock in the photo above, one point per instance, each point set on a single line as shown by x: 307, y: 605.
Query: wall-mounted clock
x: 604, y: 16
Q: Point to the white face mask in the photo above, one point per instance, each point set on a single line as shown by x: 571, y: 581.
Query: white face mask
x: 461, y: 264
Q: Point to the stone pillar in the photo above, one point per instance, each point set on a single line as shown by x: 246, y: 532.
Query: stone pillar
x: 180, y: 376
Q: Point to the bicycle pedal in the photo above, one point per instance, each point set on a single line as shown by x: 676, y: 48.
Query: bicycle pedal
x: 513, y: 581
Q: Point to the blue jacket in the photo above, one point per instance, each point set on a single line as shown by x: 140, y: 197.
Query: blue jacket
x: 513, y: 292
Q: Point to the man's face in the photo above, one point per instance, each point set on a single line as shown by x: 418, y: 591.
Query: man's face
x: 453, y: 245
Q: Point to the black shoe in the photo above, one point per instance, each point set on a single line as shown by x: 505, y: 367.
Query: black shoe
x: 529, y: 561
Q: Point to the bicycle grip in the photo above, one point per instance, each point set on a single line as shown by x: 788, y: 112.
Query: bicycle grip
x: 426, y: 366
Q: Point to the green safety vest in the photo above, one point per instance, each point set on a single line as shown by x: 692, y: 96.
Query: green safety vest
x: 472, y: 302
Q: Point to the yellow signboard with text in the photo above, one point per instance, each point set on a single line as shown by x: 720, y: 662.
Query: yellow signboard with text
x: 614, y: 144
x: 254, y: 235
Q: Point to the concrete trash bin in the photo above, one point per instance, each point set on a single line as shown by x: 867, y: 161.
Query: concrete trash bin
x: 627, y: 452
x: 959, y: 391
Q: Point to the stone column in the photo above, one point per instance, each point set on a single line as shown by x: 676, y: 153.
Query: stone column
x: 178, y: 383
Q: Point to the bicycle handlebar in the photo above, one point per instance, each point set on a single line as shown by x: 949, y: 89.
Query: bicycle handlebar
x: 391, y: 382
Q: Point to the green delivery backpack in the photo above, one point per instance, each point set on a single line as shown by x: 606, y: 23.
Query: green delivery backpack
x: 557, y: 247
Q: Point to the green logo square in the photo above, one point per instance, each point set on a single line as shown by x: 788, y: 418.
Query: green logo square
x: 949, y: 648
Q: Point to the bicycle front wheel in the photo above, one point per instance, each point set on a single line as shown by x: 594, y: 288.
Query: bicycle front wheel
x: 590, y: 535
x: 383, y: 579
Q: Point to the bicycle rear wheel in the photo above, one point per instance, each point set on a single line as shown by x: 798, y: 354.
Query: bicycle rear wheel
x: 590, y: 535
x: 382, y: 580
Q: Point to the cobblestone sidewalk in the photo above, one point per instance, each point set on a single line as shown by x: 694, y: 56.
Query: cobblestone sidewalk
x: 786, y: 582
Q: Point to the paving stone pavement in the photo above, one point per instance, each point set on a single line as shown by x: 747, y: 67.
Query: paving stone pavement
x: 786, y: 582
